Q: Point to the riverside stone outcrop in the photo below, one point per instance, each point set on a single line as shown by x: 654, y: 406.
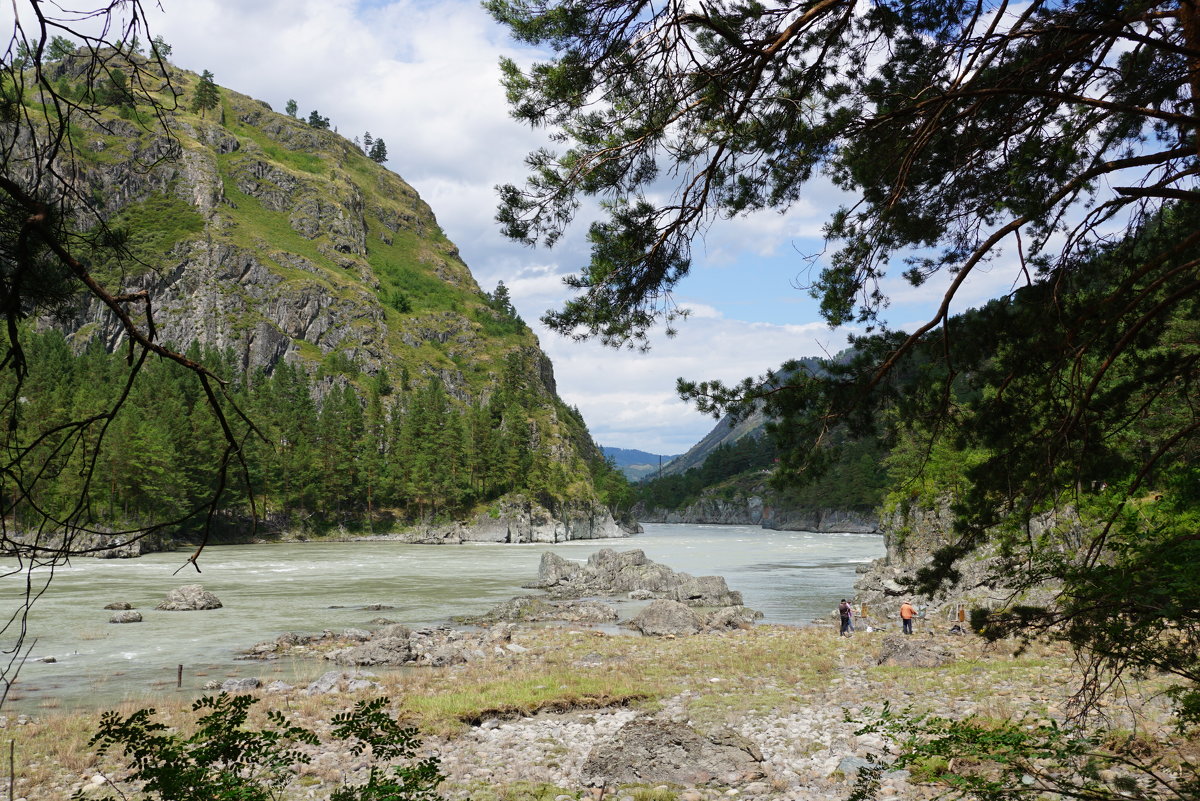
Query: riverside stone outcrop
x: 392, y: 646
x: 608, y: 572
x: 911, y: 535
x: 535, y: 609
x: 517, y: 519
x: 663, y: 617
x: 96, y: 544
x: 766, y: 511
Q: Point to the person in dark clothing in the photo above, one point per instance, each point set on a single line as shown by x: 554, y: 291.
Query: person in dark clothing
x: 847, y: 616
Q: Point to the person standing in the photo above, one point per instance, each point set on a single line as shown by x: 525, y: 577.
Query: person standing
x: 906, y: 616
x: 847, y: 616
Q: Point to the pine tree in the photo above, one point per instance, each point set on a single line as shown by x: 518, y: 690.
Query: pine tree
x: 60, y: 47
x: 378, y: 152
x: 315, y: 120
x: 159, y: 49
x: 207, y: 95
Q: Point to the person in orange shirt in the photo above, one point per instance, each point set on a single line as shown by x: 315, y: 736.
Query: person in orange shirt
x: 906, y: 616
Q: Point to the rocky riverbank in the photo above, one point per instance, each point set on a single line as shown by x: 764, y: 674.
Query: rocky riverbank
x: 765, y: 713
x: 764, y: 511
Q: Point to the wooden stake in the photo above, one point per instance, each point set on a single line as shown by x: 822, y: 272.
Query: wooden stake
x: 179, y: 678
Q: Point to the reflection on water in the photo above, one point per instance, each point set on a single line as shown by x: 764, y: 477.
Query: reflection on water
x: 791, y: 577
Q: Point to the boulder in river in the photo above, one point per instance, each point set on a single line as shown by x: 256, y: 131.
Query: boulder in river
x: 609, y: 572
x: 119, y: 605
x: 649, y: 751
x: 188, y: 598
x: 126, y: 616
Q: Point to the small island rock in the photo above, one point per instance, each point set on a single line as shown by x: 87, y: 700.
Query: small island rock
x: 188, y: 598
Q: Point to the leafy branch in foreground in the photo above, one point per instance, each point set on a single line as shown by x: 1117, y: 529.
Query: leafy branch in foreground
x: 1000, y: 760
x: 223, y: 759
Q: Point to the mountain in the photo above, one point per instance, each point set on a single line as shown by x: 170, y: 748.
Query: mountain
x: 727, y: 431
x: 635, y: 464
x: 294, y: 260
x: 725, y: 479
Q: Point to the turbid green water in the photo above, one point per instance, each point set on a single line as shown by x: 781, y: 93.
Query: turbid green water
x: 791, y: 577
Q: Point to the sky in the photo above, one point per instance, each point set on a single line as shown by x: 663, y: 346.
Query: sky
x: 424, y: 77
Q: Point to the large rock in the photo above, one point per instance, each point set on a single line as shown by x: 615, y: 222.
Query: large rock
x: 188, y: 598
x: 384, y: 651
x: 898, y: 650
x: 535, y: 609
x: 732, y: 617
x: 554, y: 569
x: 647, y: 751
x: 664, y: 617
x: 705, y: 591
x: 126, y: 616
x: 609, y: 572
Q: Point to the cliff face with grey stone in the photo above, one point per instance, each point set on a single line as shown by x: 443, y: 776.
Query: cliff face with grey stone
x: 298, y: 241
x: 763, y: 509
x: 912, y: 533
x: 256, y: 234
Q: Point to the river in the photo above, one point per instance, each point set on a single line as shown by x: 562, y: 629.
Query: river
x: 791, y: 576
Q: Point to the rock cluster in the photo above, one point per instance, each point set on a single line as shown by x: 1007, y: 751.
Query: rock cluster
x: 518, y: 519
x: 394, y: 645
x: 663, y: 618
x: 189, y: 598
x: 609, y: 572
x: 537, y: 609
x: 911, y: 535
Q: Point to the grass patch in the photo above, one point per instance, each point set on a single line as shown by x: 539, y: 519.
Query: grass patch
x: 405, y: 267
x: 148, y: 230
x: 301, y: 160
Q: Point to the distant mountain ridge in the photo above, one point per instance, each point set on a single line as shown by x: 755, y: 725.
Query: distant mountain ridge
x: 636, y: 464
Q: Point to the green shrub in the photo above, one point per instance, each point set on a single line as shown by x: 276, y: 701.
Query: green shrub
x: 224, y: 760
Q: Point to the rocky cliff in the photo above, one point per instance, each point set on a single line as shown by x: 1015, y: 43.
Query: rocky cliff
x: 764, y: 509
x: 260, y: 236
x: 911, y: 535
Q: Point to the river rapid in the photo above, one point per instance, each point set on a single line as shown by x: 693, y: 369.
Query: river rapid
x: 791, y: 576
